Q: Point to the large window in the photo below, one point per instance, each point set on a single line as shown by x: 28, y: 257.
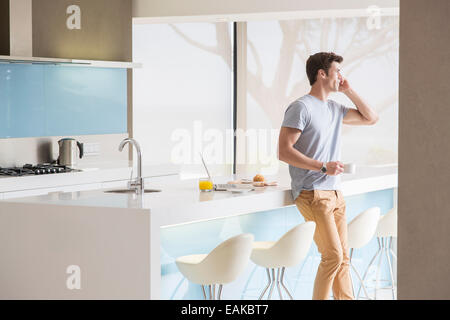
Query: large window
x: 276, y: 57
x: 182, y: 97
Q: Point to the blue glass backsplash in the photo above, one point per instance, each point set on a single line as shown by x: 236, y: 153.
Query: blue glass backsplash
x: 49, y: 100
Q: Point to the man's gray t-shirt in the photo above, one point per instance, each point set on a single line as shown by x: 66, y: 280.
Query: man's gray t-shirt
x: 320, y: 123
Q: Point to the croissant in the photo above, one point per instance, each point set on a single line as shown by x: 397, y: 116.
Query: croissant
x: 258, y: 178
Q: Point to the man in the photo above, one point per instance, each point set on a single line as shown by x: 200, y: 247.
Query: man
x: 309, y: 142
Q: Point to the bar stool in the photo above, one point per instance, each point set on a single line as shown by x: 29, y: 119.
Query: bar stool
x: 288, y: 251
x: 360, y: 231
x: 386, y: 230
x: 222, y: 265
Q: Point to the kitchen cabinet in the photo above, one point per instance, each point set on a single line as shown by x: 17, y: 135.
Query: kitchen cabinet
x: 86, y: 29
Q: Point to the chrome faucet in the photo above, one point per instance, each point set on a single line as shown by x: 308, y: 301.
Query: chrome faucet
x: 138, y: 183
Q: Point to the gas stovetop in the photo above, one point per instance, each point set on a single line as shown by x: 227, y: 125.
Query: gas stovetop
x: 29, y: 169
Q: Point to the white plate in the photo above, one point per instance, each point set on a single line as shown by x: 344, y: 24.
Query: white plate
x: 235, y: 190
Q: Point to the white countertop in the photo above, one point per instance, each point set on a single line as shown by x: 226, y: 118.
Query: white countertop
x: 91, y: 173
x: 184, y: 196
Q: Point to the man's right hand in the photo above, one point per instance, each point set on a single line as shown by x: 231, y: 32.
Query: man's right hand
x: 334, y: 168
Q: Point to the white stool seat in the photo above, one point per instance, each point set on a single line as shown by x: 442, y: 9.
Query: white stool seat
x: 288, y: 251
x: 387, y: 225
x: 262, y: 245
x: 192, y: 259
x: 222, y: 265
x: 362, y: 228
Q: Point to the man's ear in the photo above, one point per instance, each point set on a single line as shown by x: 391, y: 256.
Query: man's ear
x: 322, y: 73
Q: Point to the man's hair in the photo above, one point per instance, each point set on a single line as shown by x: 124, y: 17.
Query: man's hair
x: 320, y: 60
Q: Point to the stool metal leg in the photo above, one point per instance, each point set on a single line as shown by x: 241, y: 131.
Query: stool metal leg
x: 383, y: 248
x: 204, y: 293
x: 393, y: 256
x: 392, y: 251
x: 350, y: 273
x: 268, y: 284
x: 219, y: 296
x: 378, y: 268
x: 285, y: 289
x: 360, y: 280
x: 370, y: 264
x: 278, y: 284
x: 359, y: 277
x: 353, y: 288
x: 391, y: 272
x: 210, y: 292
x: 248, y: 281
x: 273, y: 283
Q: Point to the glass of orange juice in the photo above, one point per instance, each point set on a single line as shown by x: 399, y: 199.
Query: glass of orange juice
x: 205, y: 185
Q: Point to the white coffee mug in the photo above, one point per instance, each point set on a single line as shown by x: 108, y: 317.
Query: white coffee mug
x: 349, y: 168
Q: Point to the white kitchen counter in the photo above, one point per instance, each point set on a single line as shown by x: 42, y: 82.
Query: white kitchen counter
x: 93, y: 173
x: 183, y: 195
x: 118, y: 235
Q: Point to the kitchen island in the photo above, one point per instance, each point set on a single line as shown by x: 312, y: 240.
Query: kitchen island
x: 98, y: 245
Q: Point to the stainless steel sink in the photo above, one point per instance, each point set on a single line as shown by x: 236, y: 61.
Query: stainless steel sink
x: 132, y: 191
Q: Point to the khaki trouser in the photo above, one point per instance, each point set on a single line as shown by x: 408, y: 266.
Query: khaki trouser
x: 327, y: 209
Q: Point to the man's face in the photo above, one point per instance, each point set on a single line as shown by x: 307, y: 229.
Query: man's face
x: 334, y: 77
